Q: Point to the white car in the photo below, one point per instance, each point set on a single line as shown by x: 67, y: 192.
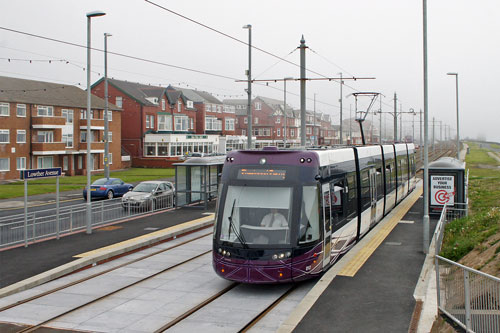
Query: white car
x: 150, y: 195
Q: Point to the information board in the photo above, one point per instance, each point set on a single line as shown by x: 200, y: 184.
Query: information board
x: 442, y: 190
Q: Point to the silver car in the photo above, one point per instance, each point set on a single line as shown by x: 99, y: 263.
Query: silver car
x: 150, y: 195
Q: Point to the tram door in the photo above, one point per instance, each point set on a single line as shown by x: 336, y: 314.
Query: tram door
x: 373, y: 195
x: 327, y: 246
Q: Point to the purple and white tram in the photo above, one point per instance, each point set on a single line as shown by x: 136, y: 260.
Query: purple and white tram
x: 287, y: 215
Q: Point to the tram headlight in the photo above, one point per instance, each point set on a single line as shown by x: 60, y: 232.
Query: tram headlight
x: 262, y: 160
x: 228, y: 254
x: 302, y: 160
x: 275, y: 256
x: 288, y: 254
x: 281, y: 255
x: 223, y: 252
x: 219, y: 250
x: 309, y: 160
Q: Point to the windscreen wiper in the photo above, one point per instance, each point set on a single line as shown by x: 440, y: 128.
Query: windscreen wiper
x: 232, y: 227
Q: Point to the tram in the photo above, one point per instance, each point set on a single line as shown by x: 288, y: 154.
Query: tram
x: 287, y: 215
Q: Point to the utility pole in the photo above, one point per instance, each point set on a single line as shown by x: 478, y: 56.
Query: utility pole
x: 425, y: 220
x: 106, y: 118
x: 380, y: 134
x: 433, y: 132
x: 249, y: 89
x: 302, y: 92
x: 340, y: 100
x: 395, y: 118
x: 314, y: 122
x: 350, y: 125
x: 400, y: 122
x: 421, y: 141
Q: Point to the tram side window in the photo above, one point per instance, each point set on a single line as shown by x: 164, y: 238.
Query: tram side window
x: 380, y: 185
x: 352, y: 194
x: 338, y: 202
x: 309, y: 218
x: 365, y: 189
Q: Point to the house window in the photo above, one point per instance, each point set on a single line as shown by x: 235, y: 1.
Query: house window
x: 292, y: 132
x: 278, y: 120
x: 110, y: 156
x: 119, y: 101
x: 83, y: 136
x: 150, y: 148
x: 163, y: 104
x: 45, y: 136
x: 80, y: 161
x: 256, y: 120
x: 21, y: 136
x: 208, y: 107
x: 258, y: 106
x: 181, y: 123
x: 68, y: 115
x: 45, y: 162
x: 308, y: 130
x: 68, y: 140
x: 152, y: 121
x: 245, y: 120
x: 21, y: 110
x: 179, y: 106
x: 243, y: 132
x: 229, y: 125
x: 20, y: 163
x: 278, y: 132
x: 190, y: 104
x: 45, y: 111
x: 4, y: 164
x: 147, y: 121
x: 4, y: 136
x: 164, y: 123
x: 110, y: 115
x: 65, y: 163
x: 4, y: 109
x: 192, y: 123
x: 83, y: 114
x: 110, y: 136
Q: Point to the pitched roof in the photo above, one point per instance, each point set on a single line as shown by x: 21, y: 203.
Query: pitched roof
x: 139, y: 92
x: 47, y: 93
x: 197, y: 96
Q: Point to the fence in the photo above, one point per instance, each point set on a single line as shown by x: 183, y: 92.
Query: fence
x: 47, y: 224
x: 469, y: 297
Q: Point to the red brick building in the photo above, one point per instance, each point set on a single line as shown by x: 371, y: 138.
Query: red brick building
x: 43, y: 125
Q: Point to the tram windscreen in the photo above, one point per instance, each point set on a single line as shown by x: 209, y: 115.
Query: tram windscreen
x: 257, y: 215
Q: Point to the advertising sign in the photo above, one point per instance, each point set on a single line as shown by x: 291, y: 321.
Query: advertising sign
x: 442, y: 190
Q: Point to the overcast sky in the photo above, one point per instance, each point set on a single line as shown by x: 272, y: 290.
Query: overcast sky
x: 364, y: 38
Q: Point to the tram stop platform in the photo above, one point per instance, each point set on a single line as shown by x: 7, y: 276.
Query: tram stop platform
x: 385, y: 283
x: 372, y: 288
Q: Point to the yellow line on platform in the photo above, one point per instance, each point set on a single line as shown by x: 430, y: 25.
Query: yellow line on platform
x: 351, y: 268
x: 158, y: 233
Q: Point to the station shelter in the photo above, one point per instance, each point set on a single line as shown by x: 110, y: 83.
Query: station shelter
x: 197, y: 180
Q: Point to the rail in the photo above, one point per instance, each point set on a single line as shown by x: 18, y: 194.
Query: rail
x: 45, y: 224
x: 467, y: 296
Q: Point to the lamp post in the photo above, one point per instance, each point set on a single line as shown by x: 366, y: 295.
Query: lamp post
x: 249, y: 89
x: 284, y: 109
x: 106, y: 118
x: 90, y: 15
x: 458, y: 127
x: 413, y: 125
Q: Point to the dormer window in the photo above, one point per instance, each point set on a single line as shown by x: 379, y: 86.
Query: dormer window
x: 258, y: 106
x: 163, y: 104
x: 179, y: 106
x: 190, y: 104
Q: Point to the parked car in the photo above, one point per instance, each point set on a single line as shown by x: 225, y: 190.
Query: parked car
x: 107, y: 188
x: 158, y: 193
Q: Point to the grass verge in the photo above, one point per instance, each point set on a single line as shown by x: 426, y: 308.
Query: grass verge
x: 463, y: 235
x: 48, y: 185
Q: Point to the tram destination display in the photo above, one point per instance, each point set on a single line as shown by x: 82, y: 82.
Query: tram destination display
x: 261, y: 174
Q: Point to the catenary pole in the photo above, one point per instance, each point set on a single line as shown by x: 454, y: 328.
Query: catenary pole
x: 426, y: 146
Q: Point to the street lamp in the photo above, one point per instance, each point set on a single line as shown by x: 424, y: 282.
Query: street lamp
x: 413, y: 125
x: 458, y: 127
x: 90, y: 15
x: 284, y: 108
x: 249, y: 89
x: 106, y: 118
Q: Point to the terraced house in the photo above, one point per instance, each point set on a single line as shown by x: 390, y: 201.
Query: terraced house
x: 43, y: 125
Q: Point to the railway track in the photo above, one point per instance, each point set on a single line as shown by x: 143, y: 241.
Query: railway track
x: 179, y: 295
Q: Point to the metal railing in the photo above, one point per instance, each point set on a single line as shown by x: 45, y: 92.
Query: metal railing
x: 469, y: 297
x: 44, y: 224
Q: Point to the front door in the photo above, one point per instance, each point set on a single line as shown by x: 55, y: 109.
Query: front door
x: 327, y: 245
